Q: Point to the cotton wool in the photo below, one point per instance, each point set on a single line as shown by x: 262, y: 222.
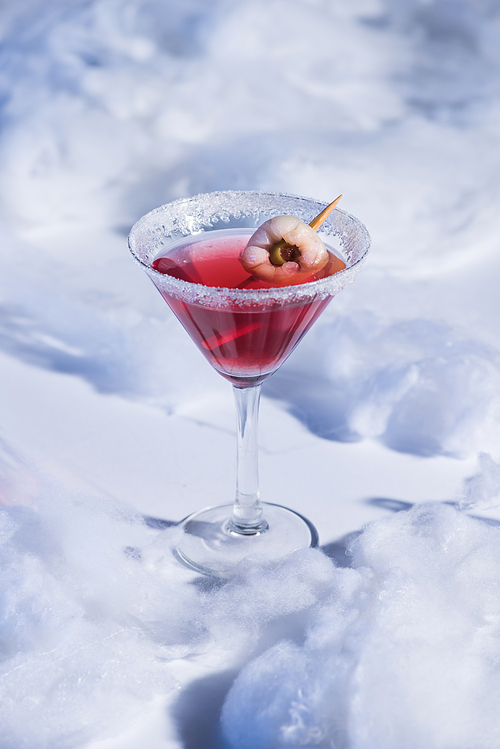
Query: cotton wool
x: 416, y: 385
x: 89, y: 619
x: 403, y: 652
x: 482, y: 490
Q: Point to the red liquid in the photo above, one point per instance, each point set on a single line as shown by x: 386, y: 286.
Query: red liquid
x: 245, y: 346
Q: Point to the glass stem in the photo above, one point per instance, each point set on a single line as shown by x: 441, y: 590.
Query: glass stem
x: 247, y: 516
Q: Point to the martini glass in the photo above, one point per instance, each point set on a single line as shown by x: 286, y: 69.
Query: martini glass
x: 246, y: 334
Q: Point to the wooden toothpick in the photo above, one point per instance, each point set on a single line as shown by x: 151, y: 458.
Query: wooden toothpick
x: 316, y: 222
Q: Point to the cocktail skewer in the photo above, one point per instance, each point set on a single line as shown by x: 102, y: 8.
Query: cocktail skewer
x: 316, y: 222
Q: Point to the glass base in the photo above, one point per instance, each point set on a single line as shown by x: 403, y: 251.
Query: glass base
x: 209, y: 546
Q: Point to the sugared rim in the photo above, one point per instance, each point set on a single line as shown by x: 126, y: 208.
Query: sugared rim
x: 276, y: 293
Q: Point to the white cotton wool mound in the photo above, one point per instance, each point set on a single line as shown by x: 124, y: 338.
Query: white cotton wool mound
x: 482, y: 490
x: 90, y: 615
x: 403, y: 652
x: 416, y: 385
x: 236, y: 616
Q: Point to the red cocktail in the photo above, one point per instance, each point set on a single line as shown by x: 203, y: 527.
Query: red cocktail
x: 244, y: 345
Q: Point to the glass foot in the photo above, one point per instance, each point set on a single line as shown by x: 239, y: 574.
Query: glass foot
x: 209, y: 546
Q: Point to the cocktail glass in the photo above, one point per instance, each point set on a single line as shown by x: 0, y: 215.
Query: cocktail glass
x: 245, y: 334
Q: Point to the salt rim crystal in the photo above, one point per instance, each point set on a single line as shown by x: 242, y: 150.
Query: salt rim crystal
x: 201, y: 213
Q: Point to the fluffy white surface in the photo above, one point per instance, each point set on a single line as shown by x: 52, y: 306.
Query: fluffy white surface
x: 78, y: 595
x: 109, y: 414
x: 402, y: 651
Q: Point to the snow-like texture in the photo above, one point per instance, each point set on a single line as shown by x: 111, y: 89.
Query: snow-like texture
x: 109, y: 108
x: 483, y: 489
x: 417, y: 385
x: 402, y: 652
x: 88, y: 619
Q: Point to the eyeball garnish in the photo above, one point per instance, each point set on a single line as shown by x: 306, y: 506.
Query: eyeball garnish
x: 284, y: 250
